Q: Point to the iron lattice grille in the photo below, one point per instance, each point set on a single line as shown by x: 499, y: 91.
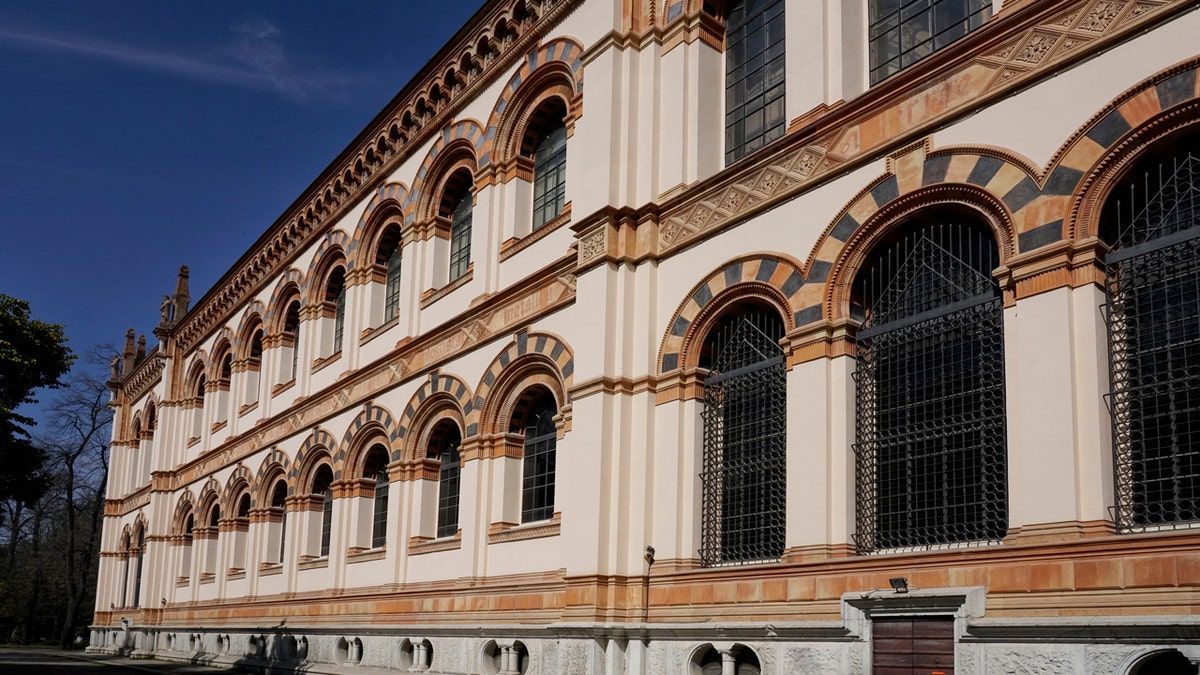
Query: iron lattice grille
x: 930, y: 456
x: 745, y: 447
x: 1153, y: 318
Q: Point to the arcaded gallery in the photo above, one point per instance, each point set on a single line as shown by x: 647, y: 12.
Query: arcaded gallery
x: 757, y: 337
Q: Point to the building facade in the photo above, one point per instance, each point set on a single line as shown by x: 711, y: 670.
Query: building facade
x: 769, y: 336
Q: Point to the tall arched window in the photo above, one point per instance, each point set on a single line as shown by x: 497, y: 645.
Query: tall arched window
x: 279, y: 510
x: 745, y: 438
x: 197, y: 403
x: 541, y: 438
x: 754, y: 76
x: 391, y: 285
x: 291, y: 329
x: 335, y: 299
x: 322, y: 486
x: 931, y: 459
x: 254, y: 366
x: 443, y: 446
x: 460, y: 235
x: 1152, y: 221
x: 376, y: 468
x: 214, y: 525
x: 241, y: 532
x: 128, y: 553
x: 549, y: 164
x: 139, y: 554
x: 224, y: 381
x: 185, y: 559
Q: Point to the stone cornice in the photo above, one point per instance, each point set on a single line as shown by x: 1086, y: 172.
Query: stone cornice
x: 143, y: 376
x: 475, y: 57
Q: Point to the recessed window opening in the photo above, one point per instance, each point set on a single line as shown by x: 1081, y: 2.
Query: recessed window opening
x: 443, y: 446
x: 279, y: 510
x: 546, y: 140
x: 291, y: 327
x: 931, y: 458
x: 376, y: 467
x: 902, y: 32
x: 322, y: 486
x: 389, y: 257
x: 745, y: 437
x: 1152, y: 220
x: 458, y: 205
x: 335, y: 298
x: 754, y: 76
x: 533, y: 414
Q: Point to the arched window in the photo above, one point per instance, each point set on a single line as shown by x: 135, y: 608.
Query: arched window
x: 375, y: 468
x: 745, y: 440
x: 391, y: 285
x: 541, y: 437
x: 279, y: 511
x: 197, y: 405
x: 139, y: 554
x: 1152, y: 221
x: 335, y: 305
x: 128, y: 552
x: 754, y: 76
x: 902, y: 32
x: 460, y: 235
x: 223, y: 384
x: 443, y: 446
x: 289, y: 368
x: 254, y: 366
x: 241, y: 530
x: 322, y: 486
x: 185, y: 561
x: 931, y: 459
x: 549, y: 163
x: 210, y: 557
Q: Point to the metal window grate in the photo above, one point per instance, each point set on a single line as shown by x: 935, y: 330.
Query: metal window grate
x: 745, y: 443
x: 379, y: 517
x: 1153, y: 318
x: 391, y: 287
x: 537, y: 493
x: 902, y: 32
x: 930, y: 453
x: 460, y: 236
x: 550, y: 174
x: 754, y: 77
x: 448, y: 485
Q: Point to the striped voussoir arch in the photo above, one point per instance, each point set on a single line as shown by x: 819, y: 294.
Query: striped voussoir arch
x: 542, y: 344
x: 438, y: 383
x: 240, y: 478
x: 183, y: 508
x: 563, y: 50
x: 209, y: 494
x: 468, y: 130
x: 276, y: 461
x: 317, y: 440
x: 776, y: 271
x: 371, y: 417
x: 332, y: 239
x: 276, y: 309
x: 386, y: 196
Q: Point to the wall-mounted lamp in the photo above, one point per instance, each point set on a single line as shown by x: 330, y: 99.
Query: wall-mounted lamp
x: 899, y: 584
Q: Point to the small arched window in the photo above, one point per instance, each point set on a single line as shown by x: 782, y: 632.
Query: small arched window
x: 443, y: 446
x: 754, y: 76
x: 1152, y: 221
x: 541, y: 439
x: 549, y: 163
x: 745, y: 437
x: 931, y: 456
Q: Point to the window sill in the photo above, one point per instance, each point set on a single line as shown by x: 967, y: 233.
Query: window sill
x: 313, y: 563
x: 219, y: 426
x: 183, y: 582
x: 369, y: 334
x: 423, y: 545
x: 282, y: 387
x: 357, y: 555
x: 433, y: 295
x: 208, y: 578
x: 501, y: 533
x: 269, y: 569
x: 193, y: 440
x: 514, y: 246
x: 321, y: 364
x: 248, y: 408
x: 235, y: 573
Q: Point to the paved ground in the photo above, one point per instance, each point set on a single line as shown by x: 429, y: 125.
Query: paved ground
x: 53, y: 662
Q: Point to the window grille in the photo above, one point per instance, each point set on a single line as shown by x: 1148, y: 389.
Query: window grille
x: 754, y: 77
x: 745, y: 443
x: 379, y: 522
x: 448, y: 484
x: 902, y: 32
x: 460, y: 236
x: 391, y: 292
x: 537, y: 494
x: 326, y: 520
x: 1153, y: 318
x: 930, y: 454
x: 550, y: 174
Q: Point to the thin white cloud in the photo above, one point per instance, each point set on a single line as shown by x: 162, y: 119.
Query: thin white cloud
x: 254, y: 60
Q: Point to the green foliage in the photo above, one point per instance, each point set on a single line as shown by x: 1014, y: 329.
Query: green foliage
x: 33, y: 354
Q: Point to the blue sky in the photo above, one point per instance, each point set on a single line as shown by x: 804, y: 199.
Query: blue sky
x: 144, y: 134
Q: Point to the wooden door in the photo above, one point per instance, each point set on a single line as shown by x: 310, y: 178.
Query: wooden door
x: 913, y: 646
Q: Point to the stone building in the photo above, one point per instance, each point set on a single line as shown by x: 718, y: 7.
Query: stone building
x: 768, y: 336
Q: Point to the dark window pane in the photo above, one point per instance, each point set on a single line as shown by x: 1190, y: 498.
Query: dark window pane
x: 754, y: 37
